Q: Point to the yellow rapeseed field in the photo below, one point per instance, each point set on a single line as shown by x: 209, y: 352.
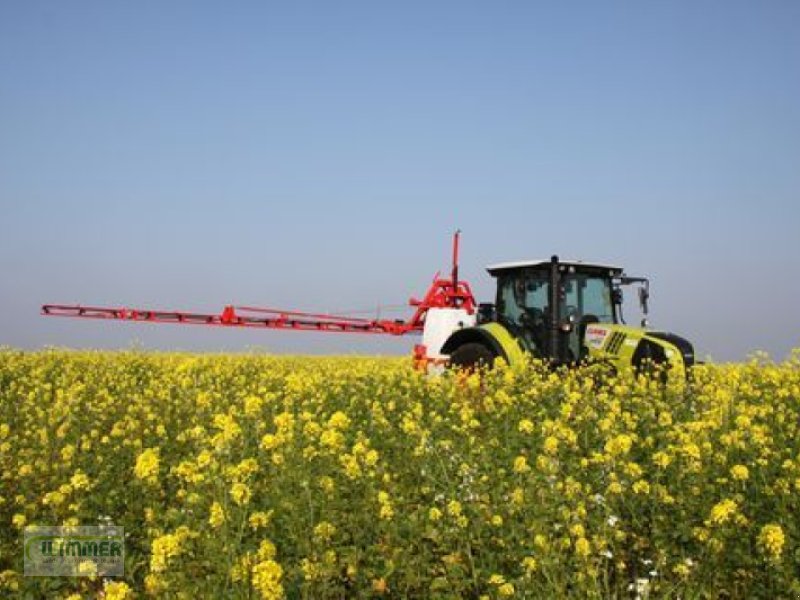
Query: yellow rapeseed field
x: 269, y: 477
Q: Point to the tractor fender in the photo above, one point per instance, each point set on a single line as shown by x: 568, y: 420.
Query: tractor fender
x: 676, y: 343
x: 666, y: 348
x: 492, y: 335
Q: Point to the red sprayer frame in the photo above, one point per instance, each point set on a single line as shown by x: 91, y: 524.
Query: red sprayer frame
x: 442, y: 293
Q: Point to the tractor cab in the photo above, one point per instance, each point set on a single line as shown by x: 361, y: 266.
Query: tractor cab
x: 548, y: 305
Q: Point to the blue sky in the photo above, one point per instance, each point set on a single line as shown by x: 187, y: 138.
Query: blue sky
x: 319, y: 155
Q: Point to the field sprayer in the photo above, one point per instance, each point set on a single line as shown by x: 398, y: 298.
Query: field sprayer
x: 565, y: 312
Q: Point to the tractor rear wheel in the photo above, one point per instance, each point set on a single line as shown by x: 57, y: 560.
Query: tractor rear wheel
x: 471, y: 356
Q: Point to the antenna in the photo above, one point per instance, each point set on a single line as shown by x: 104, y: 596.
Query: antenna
x: 454, y: 275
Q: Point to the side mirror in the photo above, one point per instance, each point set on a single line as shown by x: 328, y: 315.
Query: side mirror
x: 644, y: 295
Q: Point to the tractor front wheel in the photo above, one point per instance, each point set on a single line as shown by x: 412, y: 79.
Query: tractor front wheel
x: 471, y: 356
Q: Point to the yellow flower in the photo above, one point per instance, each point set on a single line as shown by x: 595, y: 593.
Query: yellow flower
x: 525, y: 426
x: 332, y: 438
x: 324, y: 531
x: 350, y: 465
x: 771, y: 540
x: 550, y: 445
x: 701, y: 534
x: 577, y: 530
x: 18, y: 521
x: 722, y: 512
x: 339, y: 420
x: 53, y: 499
x: 259, y: 519
x: 243, y: 470
x: 582, y: 547
x: 681, y: 570
x: 216, y: 515
x: 434, y: 514
x: 521, y: 465
x: 633, y: 470
x: 242, y: 568
x: 147, y: 464
x: 116, y: 590
x: 204, y: 459
x: 371, y: 458
x: 311, y: 570
x: 79, y: 480
x: 165, y: 548
x: 240, y: 493
x: 327, y: 484
x: 506, y: 590
x: 739, y: 472
x: 661, y: 459
x: 228, y: 430
x: 529, y: 564
x: 691, y: 450
x: 252, y: 405
x: 87, y: 568
x: 619, y: 445
x: 270, y: 441
x: 267, y: 576
x: 266, y: 550
x: 155, y: 585
x: 67, y: 452
x: 386, y: 511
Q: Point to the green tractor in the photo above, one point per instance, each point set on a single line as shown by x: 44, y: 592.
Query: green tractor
x: 564, y: 312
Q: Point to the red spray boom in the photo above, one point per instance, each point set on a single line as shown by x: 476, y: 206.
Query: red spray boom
x: 442, y: 293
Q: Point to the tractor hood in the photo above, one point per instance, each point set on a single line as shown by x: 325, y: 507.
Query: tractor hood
x: 633, y: 346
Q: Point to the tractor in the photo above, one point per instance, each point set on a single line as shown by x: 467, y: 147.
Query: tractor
x: 566, y: 313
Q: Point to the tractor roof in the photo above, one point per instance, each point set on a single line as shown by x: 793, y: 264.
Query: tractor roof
x: 499, y: 268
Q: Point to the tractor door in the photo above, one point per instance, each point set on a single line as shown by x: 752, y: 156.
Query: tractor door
x: 523, y: 307
x: 585, y: 298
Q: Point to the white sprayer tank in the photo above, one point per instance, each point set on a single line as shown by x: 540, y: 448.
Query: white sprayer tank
x: 440, y: 323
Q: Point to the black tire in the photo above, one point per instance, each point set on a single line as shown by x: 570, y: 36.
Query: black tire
x: 471, y: 356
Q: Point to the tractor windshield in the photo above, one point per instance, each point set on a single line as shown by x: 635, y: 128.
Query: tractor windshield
x: 587, y: 296
x: 523, y: 305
